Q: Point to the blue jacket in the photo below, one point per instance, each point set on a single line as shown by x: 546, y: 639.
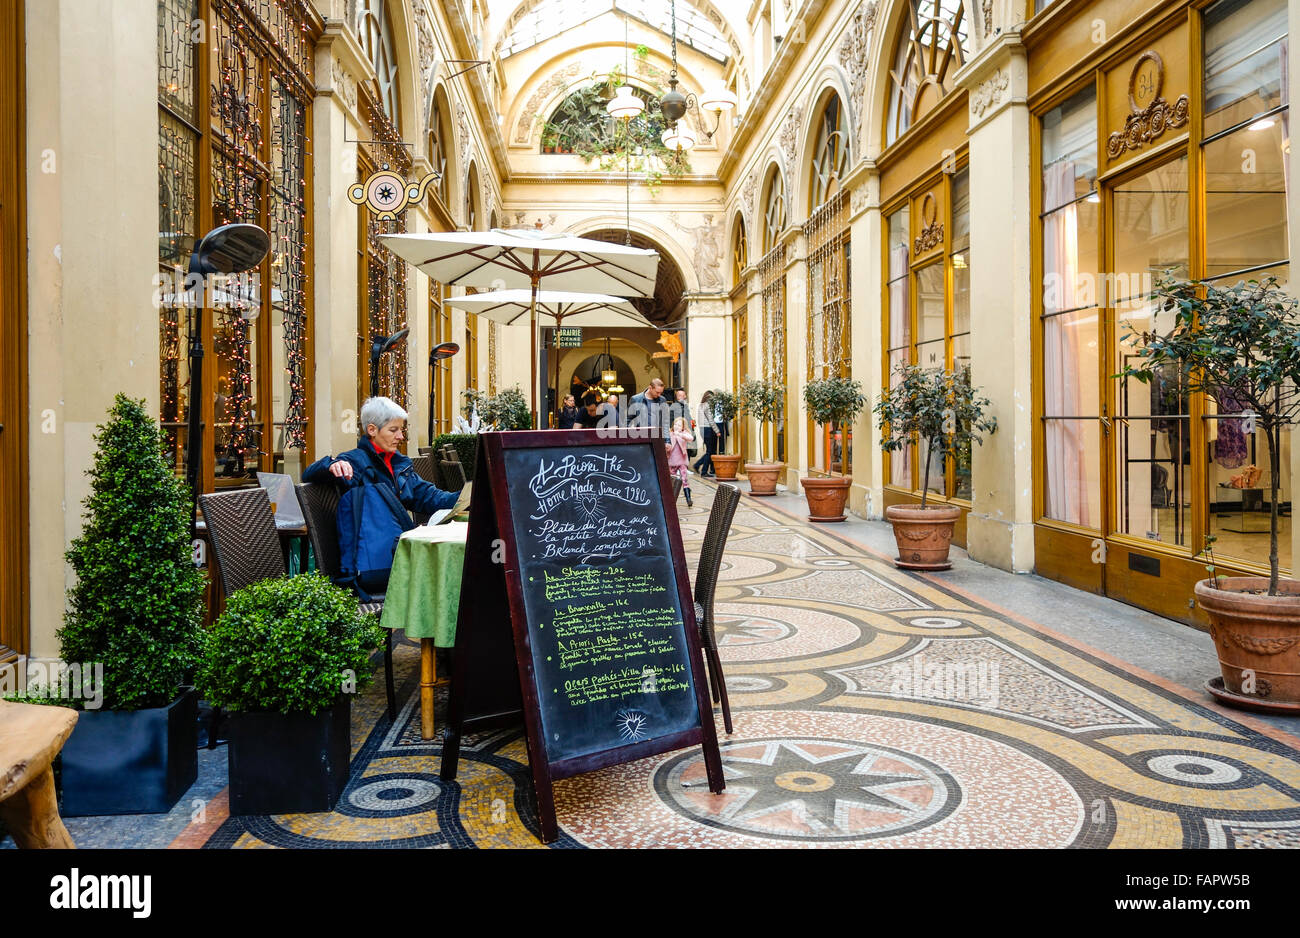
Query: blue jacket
x: 413, y: 492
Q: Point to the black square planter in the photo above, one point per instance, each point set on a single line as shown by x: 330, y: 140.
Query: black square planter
x: 131, y: 761
x: 289, y: 763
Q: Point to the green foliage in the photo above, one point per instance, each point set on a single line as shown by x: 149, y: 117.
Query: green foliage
x: 1241, y: 346
x: 508, y: 409
x: 936, y: 405
x: 725, y: 407
x: 288, y: 644
x: 582, y: 125
x: 138, y: 600
x: 763, y: 400
x: 466, y: 449
x: 834, y: 402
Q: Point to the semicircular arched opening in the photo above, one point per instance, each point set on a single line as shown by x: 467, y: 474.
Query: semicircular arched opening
x: 668, y: 305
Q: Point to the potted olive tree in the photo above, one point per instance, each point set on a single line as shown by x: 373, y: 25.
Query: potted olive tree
x: 725, y: 411
x: 131, y: 635
x: 832, y: 403
x: 763, y: 400
x: 1240, y: 345
x: 283, y: 660
x: 940, y: 408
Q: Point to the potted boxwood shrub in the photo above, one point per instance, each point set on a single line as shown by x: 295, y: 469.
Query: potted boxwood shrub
x: 134, y: 617
x: 283, y: 660
x: 941, y: 408
x: 725, y: 411
x: 763, y: 400
x: 832, y: 403
x: 1240, y: 345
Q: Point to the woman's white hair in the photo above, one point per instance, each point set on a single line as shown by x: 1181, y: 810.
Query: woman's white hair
x: 380, y: 411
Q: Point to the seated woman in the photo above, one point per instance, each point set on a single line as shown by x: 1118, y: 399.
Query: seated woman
x: 368, y: 527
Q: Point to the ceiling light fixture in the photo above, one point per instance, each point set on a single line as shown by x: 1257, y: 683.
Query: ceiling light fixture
x: 715, y: 99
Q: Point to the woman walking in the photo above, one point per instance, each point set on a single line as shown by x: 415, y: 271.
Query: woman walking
x: 709, y: 429
x: 677, y: 460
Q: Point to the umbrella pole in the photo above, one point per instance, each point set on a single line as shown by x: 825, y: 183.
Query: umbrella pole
x: 559, y: 319
x: 532, y: 338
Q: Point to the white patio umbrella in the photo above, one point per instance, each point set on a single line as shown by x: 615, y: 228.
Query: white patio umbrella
x: 553, y: 308
x: 525, y: 257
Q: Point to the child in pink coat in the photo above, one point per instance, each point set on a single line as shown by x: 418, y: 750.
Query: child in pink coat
x: 678, y: 461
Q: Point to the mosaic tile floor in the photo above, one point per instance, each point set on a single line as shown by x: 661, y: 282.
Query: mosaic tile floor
x: 872, y: 708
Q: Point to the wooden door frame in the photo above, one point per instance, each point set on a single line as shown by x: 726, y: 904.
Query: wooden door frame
x: 15, y: 560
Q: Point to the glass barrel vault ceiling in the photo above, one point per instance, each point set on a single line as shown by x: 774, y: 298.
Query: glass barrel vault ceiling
x: 551, y: 17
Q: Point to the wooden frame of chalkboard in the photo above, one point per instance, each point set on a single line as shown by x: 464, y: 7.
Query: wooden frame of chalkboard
x: 594, y: 524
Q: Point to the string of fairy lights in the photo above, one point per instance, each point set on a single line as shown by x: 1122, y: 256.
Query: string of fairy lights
x: 386, y: 311
x: 255, y: 43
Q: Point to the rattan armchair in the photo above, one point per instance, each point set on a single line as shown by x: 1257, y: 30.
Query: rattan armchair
x: 320, y: 505
x: 242, y: 530
x: 725, y: 500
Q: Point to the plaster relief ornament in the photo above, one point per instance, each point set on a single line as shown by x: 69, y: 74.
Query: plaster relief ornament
x: 931, y: 235
x: 989, y: 92
x: 1152, y: 114
x: 854, y: 53
x: 708, y: 250
x: 747, y: 199
x: 388, y: 194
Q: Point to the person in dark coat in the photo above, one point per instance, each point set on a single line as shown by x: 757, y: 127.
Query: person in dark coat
x: 384, y: 424
x: 568, y: 414
x: 649, y: 409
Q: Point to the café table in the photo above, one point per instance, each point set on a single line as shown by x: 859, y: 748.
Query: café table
x: 423, y: 598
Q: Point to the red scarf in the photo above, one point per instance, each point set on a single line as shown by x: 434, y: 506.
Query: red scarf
x: 388, y: 461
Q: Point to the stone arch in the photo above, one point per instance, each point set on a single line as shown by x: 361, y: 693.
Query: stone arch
x: 736, y: 226
x: 773, y: 168
x: 442, y: 98
x: 830, y: 81
x: 731, y: 32
x: 666, y: 243
x: 472, y: 199
x: 565, y: 73
x: 410, y: 83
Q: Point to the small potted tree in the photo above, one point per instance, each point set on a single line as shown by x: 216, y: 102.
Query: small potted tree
x: 1239, y: 345
x: 941, y: 408
x: 283, y: 660
x: 132, y: 632
x: 725, y: 411
x: 832, y: 403
x: 763, y: 400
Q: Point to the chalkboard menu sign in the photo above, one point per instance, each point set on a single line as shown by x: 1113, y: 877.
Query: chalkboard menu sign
x: 574, y: 544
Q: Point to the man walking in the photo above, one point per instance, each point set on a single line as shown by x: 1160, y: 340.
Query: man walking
x: 649, y: 409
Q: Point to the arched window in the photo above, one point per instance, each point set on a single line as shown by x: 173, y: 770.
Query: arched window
x: 471, y: 199
x: 739, y: 252
x: 773, y: 210
x: 932, y: 47
x: 375, y: 32
x: 439, y: 136
x: 830, y: 154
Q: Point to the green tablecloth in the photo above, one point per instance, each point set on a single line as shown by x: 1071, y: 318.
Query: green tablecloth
x: 424, y: 589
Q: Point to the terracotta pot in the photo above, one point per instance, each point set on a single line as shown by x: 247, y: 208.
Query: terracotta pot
x: 724, y: 467
x: 763, y: 476
x: 923, y: 535
x: 826, y: 497
x: 1257, y: 637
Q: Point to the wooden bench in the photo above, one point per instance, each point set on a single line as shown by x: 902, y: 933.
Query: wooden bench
x: 30, y: 737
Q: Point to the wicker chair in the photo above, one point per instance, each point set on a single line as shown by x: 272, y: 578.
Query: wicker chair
x: 453, y: 472
x: 725, y: 501
x: 320, y: 505
x: 424, y: 468
x: 241, y: 528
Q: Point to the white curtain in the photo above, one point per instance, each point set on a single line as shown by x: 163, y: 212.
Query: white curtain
x: 1067, y: 469
x: 899, y: 334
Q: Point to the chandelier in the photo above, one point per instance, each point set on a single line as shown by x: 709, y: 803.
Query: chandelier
x: 674, y: 105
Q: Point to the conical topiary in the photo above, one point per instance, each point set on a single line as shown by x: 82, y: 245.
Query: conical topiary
x: 137, y: 605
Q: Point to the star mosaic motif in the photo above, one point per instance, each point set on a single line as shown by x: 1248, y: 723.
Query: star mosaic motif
x: 386, y: 193
x: 816, y: 787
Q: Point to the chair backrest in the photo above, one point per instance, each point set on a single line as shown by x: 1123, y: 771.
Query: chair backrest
x: 453, y: 475
x: 241, y: 528
x: 725, y: 500
x: 424, y: 450
x: 424, y: 468
x: 320, y: 505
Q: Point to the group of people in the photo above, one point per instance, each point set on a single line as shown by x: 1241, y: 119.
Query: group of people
x: 653, y: 408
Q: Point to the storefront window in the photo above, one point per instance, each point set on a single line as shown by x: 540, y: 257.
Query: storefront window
x: 927, y: 300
